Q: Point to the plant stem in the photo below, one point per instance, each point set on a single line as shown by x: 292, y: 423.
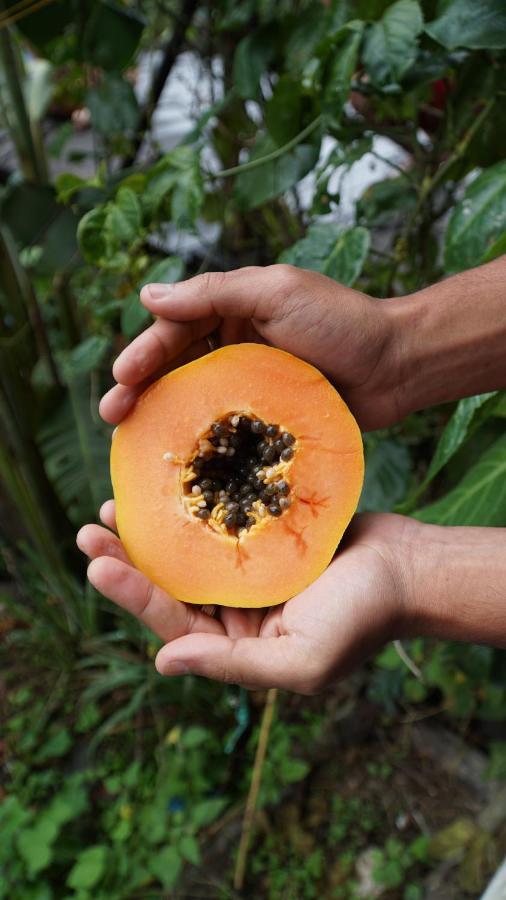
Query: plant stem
x: 256, y: 778
x: 170, y: 54
x: 275, y: 154
x: 32, y: 158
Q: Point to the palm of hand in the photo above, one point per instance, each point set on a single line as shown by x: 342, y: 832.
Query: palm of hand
x: 301, y: 645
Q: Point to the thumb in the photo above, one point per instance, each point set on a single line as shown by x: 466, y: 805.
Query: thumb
x: 245, y: 293
x: 262, y: 662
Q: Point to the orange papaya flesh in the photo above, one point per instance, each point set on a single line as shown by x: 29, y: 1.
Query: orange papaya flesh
x: 235, y: 477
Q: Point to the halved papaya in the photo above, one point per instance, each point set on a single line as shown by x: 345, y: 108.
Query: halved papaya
x: 235, y: 477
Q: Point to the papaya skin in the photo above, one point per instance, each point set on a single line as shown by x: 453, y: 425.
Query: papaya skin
x: 151, y: 447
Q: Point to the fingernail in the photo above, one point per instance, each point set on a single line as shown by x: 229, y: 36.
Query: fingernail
x: 176, y: 667
x: 159, y: 291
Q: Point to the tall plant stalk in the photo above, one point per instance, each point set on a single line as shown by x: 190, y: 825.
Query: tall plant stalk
x: 23, y: 132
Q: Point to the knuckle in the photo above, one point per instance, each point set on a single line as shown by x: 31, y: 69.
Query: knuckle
x: 146, y: 600
x: 287, y: 273
x: 212, y: 281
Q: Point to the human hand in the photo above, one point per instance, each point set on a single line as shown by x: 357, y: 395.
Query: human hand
x: 303, y: 645
x: 344, y: 333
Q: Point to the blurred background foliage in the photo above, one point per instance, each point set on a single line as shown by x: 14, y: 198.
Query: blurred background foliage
x: 360, y: 139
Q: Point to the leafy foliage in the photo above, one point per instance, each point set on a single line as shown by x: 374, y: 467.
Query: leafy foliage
x: 308, y: 94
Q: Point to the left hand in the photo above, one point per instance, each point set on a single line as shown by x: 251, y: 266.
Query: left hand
x: 302, y: 645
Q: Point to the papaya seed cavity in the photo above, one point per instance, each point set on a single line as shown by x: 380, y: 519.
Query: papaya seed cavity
x: 236, y: 478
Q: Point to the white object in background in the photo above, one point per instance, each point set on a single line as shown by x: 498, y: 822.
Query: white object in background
x: 497, y: 887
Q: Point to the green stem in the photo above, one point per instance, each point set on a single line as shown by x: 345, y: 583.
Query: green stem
x: 275, y: 154
x: 32, y: 158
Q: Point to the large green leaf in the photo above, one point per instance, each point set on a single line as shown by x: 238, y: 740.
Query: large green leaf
x: 88, y: 868
x: 43, y: 25
x: 338, y: 252
x: 124, y: 216
x: 283, y: 110
x: 113, y: 106
x: 76, y: 452
x: 391, y: 44
x: 265, y: 182
x: 111, y: 35
x: 478, y: 220
x: 251, y: 57
x: 348, y: 256
x: 477, y: 24
x: 468, y: 415
x: 166, y: 865
x: 479, y: 499
x: 387, y: 472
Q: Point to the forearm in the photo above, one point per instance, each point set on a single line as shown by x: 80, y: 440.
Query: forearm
x: 450, y: 339
x: 455, y: 584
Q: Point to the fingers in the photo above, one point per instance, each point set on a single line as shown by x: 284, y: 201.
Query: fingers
x: 119, y: 400
x: 244, y: 293
x: 157, y: 346
x: 96, y: 541
x: 265, y: 663
x: 130, y: 589
x: 242, y: 622
x: 108, y: 515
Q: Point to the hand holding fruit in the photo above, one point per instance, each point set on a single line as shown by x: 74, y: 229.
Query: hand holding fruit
x: 344, y: 333
x: 303, y: 645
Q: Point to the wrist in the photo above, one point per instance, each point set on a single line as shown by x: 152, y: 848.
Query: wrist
x: 454, y: 584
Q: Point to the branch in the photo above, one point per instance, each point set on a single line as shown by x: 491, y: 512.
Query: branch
x: 270, y: 157
x: 256, y: 778
x: 170, y: 54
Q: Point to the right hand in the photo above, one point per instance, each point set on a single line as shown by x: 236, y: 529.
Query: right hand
x: 344, y: 333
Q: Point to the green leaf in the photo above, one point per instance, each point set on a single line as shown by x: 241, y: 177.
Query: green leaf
x: 329, y: 248
x: 187, y: 197
x: 134, y: 316
x: 346, y: 261
x: 166, y: 866
x: 88, y: 868
x: 387, y: 473
x: 284, y: 110
x: 293, y: 770
x: 87, y: 356
x: 67, y: 184
x: 341, y: 68
x: 113, y: 106
x: 206, y: 811
x: 477, y: 24
x: 57, y: 745
x: 468, y: 415
x: 189, y: 849
x: 34, y: 845
x: 94, y: 241
x: 389, y: 659
x: 111, y: 35
x: 124, y: 216
x: 478, y: 221
x: 479, y: 499
x: 391, y: 44
x: 251, y: 57
x: 165, y: 271
x: 262, y: 184
x: 385, y: 202
x: 194, y: 736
